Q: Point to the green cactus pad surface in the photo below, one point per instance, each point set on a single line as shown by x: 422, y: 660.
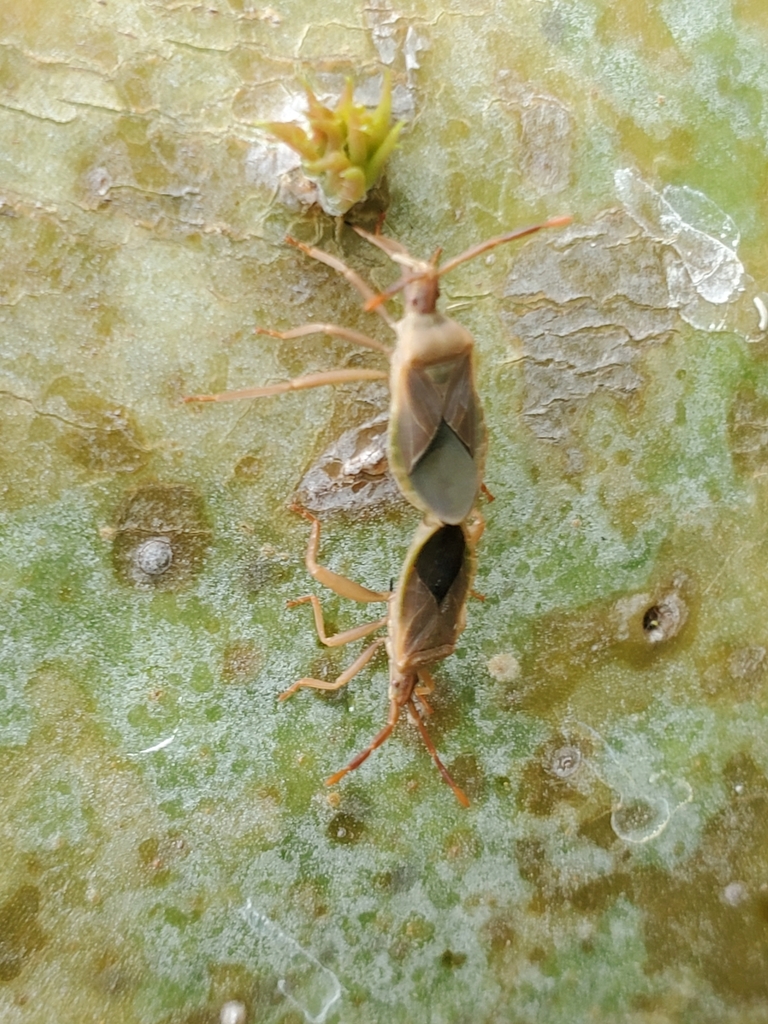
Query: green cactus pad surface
x: 168, y: 845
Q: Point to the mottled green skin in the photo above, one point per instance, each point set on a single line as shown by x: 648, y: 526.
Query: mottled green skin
x: 627, y: 458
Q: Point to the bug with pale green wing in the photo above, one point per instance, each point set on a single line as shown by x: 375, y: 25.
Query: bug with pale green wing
x: 426, y: 613
x: 437, y: 436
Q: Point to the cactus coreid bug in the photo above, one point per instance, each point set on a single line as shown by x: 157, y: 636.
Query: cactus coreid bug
x: 425, y: 616
x: 437, y: 436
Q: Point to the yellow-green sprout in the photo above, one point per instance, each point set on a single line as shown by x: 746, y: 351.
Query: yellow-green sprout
x: 344, y: 150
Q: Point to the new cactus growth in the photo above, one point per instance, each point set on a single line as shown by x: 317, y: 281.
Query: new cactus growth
x: 343, y: 151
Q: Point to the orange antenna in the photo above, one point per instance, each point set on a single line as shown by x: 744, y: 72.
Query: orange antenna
x: 376, y: 742
x: 459, y: 793
x: 491, y: 243
x: 432, y: 270
x: 377, y: 300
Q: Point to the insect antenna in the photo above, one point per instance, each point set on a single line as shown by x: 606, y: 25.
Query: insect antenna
x: 459, y: 793
x: 378, y: 739
x: 491, y: 243
x: 433, y: 271
x: 376, y: 300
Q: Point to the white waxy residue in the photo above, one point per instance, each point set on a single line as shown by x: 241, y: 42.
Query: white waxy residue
x: 233, y: 1012
x: 302, y: 979
x: 382, y: 20
x: 161, y: 745
x: 761, y: 305
x: 704, y: 272
x: 267, y: 161
x: 413, y: 43
x: 644, y: 801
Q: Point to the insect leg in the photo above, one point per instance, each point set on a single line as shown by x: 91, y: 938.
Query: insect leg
x: 333, y: 331
x: 457, y: 791
x: 338, y: 584
x: 346, y: 272
x: 338, y: 639
x: 427, y: 686
x: 378, y: 739
x: 312, y: 380
x: 475, y: 527
x: 344, y: 678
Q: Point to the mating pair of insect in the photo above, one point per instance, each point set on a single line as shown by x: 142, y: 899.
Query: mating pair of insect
x: 436, y: 449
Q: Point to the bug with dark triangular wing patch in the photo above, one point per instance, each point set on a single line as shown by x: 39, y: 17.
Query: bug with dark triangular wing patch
x: 425, y: 616
x: 437, y: 436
